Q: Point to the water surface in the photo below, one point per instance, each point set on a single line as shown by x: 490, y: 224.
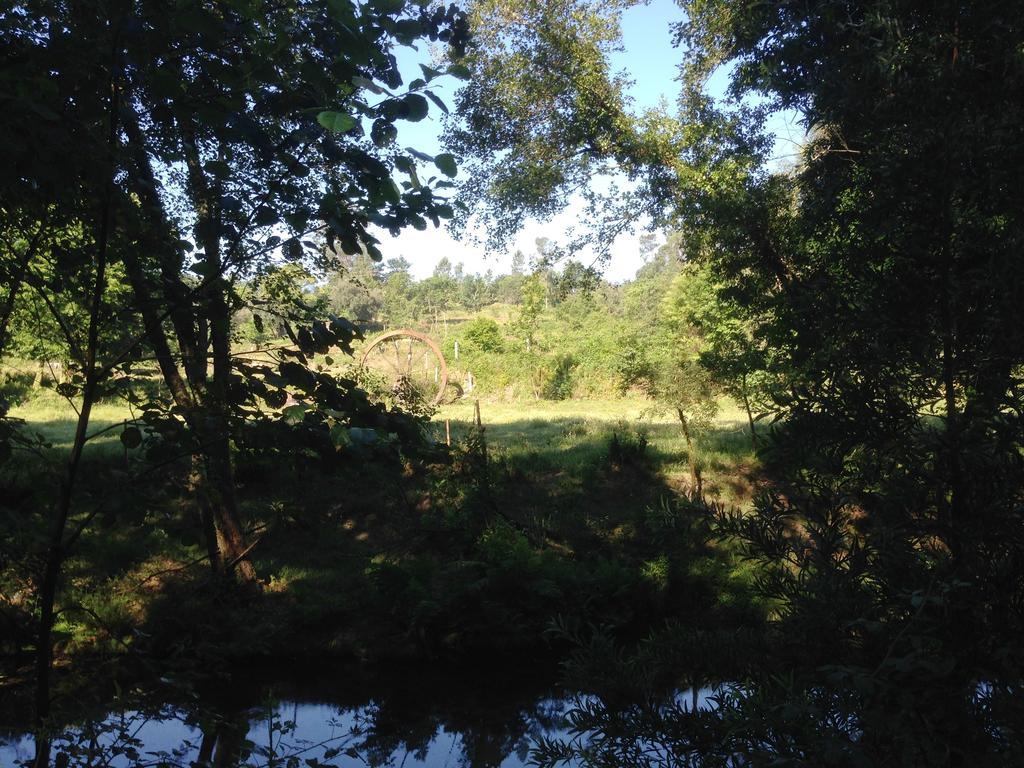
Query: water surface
x: 476, y: 717
x: 482, y: 716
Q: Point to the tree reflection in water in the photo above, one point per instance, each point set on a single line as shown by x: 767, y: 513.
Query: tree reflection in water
x: 477, y: 725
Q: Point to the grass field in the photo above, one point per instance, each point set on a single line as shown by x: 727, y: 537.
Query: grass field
x: 576, y: 498
x: 568, y: 435
x: 52, y: 417
x: 536, y: 436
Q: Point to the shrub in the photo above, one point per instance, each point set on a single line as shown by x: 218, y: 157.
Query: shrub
x: 558, y: 378
x: 484, y: 334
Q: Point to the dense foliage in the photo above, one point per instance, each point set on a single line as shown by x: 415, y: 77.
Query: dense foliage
x: 180, y: 147
x: 875, y: 289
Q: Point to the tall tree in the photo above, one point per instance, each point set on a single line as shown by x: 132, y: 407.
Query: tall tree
x: 194, y: 144
x: 882, y: 273
x: 240, y: 133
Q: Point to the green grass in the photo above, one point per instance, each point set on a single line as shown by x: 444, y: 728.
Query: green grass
x: 55, y: 419
x: 569, y: 435
x: 415, y: 558
x: 535, y: 435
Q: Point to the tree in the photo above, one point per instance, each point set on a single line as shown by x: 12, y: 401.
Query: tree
x: 508, y: 289
x: 544, y: 113
x: 881, y: 273
x: 355, y: 289
x: 576, y: 278
x: 476, y: 291
x: 252, y: 151
x: 438, y: 292
x: 400, y: 300
x: 668, y: 368
x: 195, y: 146
x: 518, y: 263
x: 484, y: 334
x: 727, y: 347
x: 533, y: 300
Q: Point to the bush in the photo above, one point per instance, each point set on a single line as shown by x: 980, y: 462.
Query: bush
x: 557, y: 383
x: 484, y: 334
x: 627, y: 448
x: 16, y: 385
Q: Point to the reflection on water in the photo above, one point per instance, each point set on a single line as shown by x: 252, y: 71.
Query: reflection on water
x: 451, y: 718
x: 290, y: 733
x: 486, y: 716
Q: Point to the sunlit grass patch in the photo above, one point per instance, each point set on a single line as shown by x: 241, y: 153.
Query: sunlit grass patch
x: 55, y: 419
x: 571, y: 436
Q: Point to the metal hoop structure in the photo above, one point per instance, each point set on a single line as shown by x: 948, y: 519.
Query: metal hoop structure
x: 408, y: 358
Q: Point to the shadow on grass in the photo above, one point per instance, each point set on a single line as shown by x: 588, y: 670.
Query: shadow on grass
x: 567, y: 449
x: 421, y: 557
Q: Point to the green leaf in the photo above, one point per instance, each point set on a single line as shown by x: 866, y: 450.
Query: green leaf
x: 408, y: 29
x: 446, y: 164
x: 294, y: 414
x: 266, y: 215
x: 293, y: 250
x: 420, y: 155
x: 275, y: 398
x: 437, y: 100
x: 417, y: 105
x: 340, y: 437
x: 339, y: 122
x: 429, y: 72
x: 383, y: 132
x: 340, y: 10
x: 460, y: 71
x: 391, y: 192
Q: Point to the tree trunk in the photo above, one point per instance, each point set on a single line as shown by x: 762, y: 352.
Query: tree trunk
x: 55, y: 551
x: 750, y: 415
x: 205, y: 514
x: 215, y: 441
x: 695, y: 476
x: 219, y: 489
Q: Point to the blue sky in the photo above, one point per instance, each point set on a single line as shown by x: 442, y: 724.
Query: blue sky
x: 649, y: 59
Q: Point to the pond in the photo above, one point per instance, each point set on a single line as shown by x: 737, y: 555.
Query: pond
x: 451, y: 717
x: 462, y: 715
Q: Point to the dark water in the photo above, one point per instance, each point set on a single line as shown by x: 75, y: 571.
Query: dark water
x: 461, y: 715
x: 302, y: 730
x: 466, y: 717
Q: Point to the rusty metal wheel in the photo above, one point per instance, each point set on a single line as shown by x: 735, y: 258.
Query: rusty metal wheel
x: 409, y: 361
